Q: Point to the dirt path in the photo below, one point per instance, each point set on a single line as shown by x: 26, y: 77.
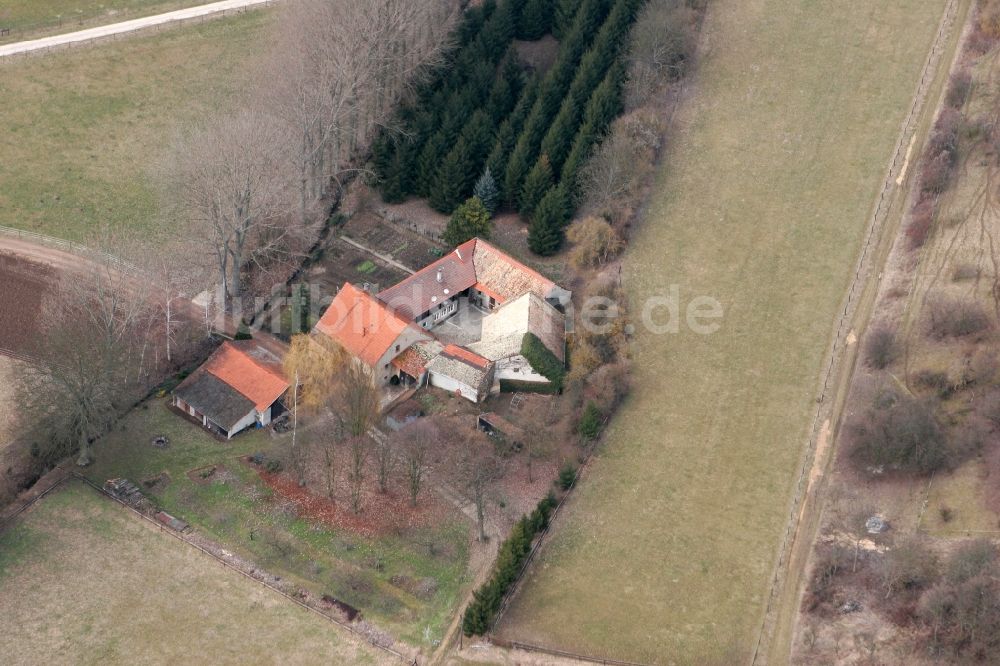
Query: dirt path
x: 778, y: 631
x: 114, y: 29
x: 63, y: 260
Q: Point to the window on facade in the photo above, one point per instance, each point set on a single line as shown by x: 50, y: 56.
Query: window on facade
x: 397, y: 347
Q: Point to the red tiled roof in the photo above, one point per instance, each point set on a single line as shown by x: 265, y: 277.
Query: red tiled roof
x: 361, y: 324
x: 465, y: 355
x: 410, y: 362
x: 250, y: 369
x: 506, y: 276
x: 474, y: 263
x: 422, y: 290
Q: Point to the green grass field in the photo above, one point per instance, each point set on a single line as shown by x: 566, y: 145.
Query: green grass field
x: 242, y: 513
x: 28, y: 19
x: 83, y: 581
x: 666, y: 552
x: 85, y: 129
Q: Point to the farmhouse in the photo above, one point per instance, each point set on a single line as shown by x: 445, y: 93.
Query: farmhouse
x: 237, y: 387
x: 400, y: 333
x: 474, y: 270
x: 368, y: 330
x: 503, y: 336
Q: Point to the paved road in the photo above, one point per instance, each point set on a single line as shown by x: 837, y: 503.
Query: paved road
x: 103, y: 31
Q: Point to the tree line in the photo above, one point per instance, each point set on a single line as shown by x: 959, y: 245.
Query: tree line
x: 254, y: 186
x: 484, y: 122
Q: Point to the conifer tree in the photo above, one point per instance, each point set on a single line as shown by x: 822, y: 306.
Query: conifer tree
x: 469, y: 220
x: 486, y: 191
x: 582, y: 144
x: 428, y: 164
x: 392, y: 186
x: 545, y: 235
x: 517, y: 169
x: 536, y: 19
x: 536, y: 184
x: 478, y: 137
x: 450, y: 183
x: 562, y: 18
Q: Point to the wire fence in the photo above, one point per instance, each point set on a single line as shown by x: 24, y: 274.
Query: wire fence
x: 528, y: 647
x: 856, y: 289
x: 74, y: 475
x: 70, y: 247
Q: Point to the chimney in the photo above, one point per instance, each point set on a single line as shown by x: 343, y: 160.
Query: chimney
x: 440, y: 275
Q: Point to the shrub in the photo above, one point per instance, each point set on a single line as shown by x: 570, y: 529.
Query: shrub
x: 970, y: 560
x: 595, y: 242
x: 963, y: 611
x: 273, y: 465
x: 934, y: 380
x: 567, y: 476
x: 829, y: 566
x: 469, y: 220
x: 881, y: 348
x: 958, y: 88
x: 542, y: 361
x: 936, y: 173
x: 609, y: 385
x: 921, y: 221
x: 899, y: 432
x: 965, y: 272
x: 910, y: 565
x: 590, y: 422
x: 956, y: 318
x: 515, y: 385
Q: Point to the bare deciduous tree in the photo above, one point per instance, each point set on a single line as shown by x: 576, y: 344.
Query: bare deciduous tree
x: 91, y: 357
x: 357, y: 399
x: 384, y: 450
x: 228, y: 183
x: 662, y: 42
x: 476, y: 470
x: 336, y: 72
x: 415, y: 443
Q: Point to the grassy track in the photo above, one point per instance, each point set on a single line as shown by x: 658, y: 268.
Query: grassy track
x: 28, y: 19
x: 82, y: 581
x: 82, y: 129
x: 666, y: 550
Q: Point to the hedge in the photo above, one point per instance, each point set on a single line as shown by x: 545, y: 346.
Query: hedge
x: 521, y: 386
x: 481, y: 613
x: 543, y: 361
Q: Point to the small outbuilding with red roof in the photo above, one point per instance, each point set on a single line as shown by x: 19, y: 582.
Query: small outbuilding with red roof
x: 239, y: 386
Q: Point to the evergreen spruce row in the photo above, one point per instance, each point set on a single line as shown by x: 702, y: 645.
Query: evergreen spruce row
x: 481, y: 613
x: 483, y: 110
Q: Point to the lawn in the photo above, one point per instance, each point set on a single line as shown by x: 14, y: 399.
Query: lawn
x: 83, y: 581
x: 667, y: 549
x: 405, y: 580
x: 85, y: 129
x: 28, y: 19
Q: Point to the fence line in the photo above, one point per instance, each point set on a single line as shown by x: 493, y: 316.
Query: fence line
x: 908, y: 130
x: 7, y: 520
x: 528, y: 647
x: 70, y: 247
x: 166, y: 530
